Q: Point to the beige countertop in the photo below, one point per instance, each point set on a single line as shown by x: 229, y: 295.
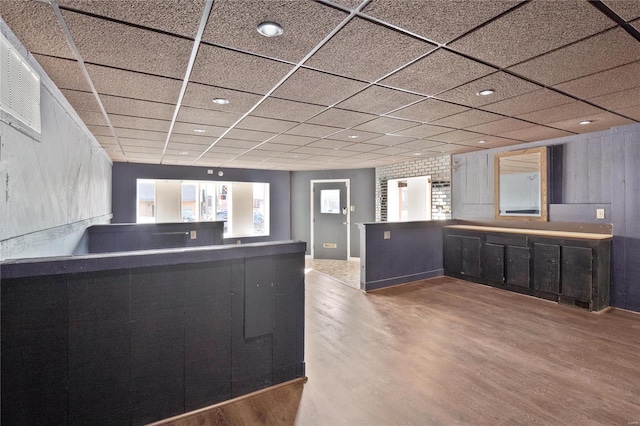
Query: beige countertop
x: 546, y: 233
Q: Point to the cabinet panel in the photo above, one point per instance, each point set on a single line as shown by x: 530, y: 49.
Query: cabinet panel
x: 453, y: 254
x: 517, y: 267
x: 577, y: 272
x: 494, y: 263
x: 546, y: 268
x: 471, y: 256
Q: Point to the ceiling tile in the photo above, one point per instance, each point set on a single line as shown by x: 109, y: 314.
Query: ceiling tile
x: 392, y: 150
x: 626, y: 9
x: 420, y: 144
x: 428, y: 110
x: 438, y: 72
x: 125, y: 133
x: 423, y: 131
x: 533, y: 29
x: 336, y: 117
x: 126, y: 142
x: 316, y: 87
x: 437, y: 20
x: 207, y: 116
x: 173, y: 16
x: 292, y: 140
x: 632, y: 112
x: 128, y: 84
x: 490, y: 142
x: 466, y: 119
x: 378, y: 100
x: 227, y: 150
x: 235, y: 70
x: 287, y: 110
x: 189, y: 147
x: 265, y: 124
x: 456, y: 136
x: 450, y: 148
x: 386, y: 125
x: 310, y: 150
x: 613, y: 80
x: 137, y: 108
x: 561, y: 112
x: 249, y: 135
x: 529, y: 102
x: 209, y: 131
x: 139, y: 123
x: 499, y: 126
x: 313, y: 130
x: 534, y: 133
x: 277, y: 147
x: 348, y: 136
x: 611, y: 49
x: 619, y: 100
x: 126, y: 47
x: 504, y: 85
x: 364, y: 147
x: 81, y: 101
x: 37, y: 28
x: 99, y: 130
x: 191, y: 139
x: 330, y: 144
x: 233, y: 23
x: 391, y: 140
x: 234, y: 143
x: 202, y: 96
x: 602, y: 121
x: 92, y: 118
x: 367, y: 51
x: 65, y: 73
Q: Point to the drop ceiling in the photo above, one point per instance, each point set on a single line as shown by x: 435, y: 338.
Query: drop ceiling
x: 348, y: 84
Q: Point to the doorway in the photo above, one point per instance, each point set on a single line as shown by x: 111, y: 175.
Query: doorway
x: 409, y: 199
x: 330, y: 219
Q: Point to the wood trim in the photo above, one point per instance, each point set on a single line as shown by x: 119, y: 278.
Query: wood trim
x: 541, y: 232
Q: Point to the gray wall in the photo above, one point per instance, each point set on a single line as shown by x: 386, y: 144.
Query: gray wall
x: 53, y: 184
x: 362, y: 197
x: 125, y: 176
x: 589, y: 171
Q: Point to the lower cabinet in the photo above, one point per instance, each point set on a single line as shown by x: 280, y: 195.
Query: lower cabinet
x: 573, y: 271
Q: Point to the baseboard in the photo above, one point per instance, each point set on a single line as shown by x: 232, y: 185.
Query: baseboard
x: 405, y: 279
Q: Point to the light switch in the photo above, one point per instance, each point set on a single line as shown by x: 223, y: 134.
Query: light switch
x: 193, y: 235
x: 387, y: 235
x: 599, y: 213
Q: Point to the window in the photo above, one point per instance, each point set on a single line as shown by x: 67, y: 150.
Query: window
x: 243, y: 206
x: 19, y: 86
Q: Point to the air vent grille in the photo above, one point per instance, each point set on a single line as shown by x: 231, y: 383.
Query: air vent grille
x: 19, y: 86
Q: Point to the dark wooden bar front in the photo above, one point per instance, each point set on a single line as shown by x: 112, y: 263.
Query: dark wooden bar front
x: 134, y: 337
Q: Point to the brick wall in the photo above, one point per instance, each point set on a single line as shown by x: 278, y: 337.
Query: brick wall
x: 439, y: 168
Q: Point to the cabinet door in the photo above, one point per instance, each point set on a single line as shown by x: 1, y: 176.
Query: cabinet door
x: 494, y: 263
x: 517, y: 269
x: 577, y: 272
x: 453, y: 254
x: 471, y: 256
x: 546, y: 268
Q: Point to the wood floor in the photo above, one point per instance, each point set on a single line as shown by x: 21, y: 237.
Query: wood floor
x: 445, y: 352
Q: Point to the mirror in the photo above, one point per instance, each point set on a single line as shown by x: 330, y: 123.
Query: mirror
x: 520, y: 183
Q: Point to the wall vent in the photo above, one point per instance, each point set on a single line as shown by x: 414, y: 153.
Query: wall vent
x: 19, y: 86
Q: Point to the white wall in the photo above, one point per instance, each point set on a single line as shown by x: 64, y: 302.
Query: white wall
x: 52, y: 185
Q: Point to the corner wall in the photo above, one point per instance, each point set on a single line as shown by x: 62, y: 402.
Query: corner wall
x: 594, y: 170
x: 53, y: 184
x: 439, y: 168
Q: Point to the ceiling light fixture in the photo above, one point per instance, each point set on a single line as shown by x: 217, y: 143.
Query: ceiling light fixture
x: 221, y: 101
x: 486, y: 92
x: 199, y: 130
x: 353, y: 136
x: 270, y: 29
x: 184, y: 153
x: 586, y: 122
x: 417, y: 153
x: 482, y: 141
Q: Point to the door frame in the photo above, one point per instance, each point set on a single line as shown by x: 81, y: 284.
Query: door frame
x: 311, y: 196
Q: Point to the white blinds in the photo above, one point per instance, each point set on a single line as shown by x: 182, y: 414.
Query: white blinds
x: 19, y: 86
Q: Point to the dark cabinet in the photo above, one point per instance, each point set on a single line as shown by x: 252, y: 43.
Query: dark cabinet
x: 557, y: 267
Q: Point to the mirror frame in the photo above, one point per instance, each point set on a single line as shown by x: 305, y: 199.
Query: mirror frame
x: 543, y: 184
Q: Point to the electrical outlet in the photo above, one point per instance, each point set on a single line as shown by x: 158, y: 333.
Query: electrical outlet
x: 599, y: 213
x: 193, y: 235
x: 387, y: 235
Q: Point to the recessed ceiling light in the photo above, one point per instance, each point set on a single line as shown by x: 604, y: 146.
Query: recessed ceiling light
x: 353, y: 136
x: 270, y: 29
x: 482, y: 141
x: 199, y: 130
x: 586, y: 122
x: 417, y: 153
x: 221, y: 101
x: 486, y: 92
x: 184, y: 153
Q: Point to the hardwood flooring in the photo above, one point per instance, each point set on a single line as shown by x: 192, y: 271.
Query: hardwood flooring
x: 445, y: 352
